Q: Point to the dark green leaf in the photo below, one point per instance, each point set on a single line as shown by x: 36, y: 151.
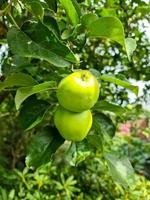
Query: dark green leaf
x: 19, y: 61
x: 78, y: 152
x: 107, y: 106
x: 22, y: 45
x: 17, y: 79
x: 108, y: 27
x: 24, y: 92
x: 32, y: 113
x: 103, y: 125
x: 51, y: 23
x: 47, y: 37
x: 120, y: 169
x: 52, y: 4
x: 95, y: 140
x: 125, y: 84
x: 42, y: 146
x: 36, y: 8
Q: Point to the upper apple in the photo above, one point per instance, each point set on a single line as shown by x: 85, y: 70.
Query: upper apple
x: 79, y: 91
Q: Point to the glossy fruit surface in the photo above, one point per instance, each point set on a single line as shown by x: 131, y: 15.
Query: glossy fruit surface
x: 73, y: 126
x: 79, y: 91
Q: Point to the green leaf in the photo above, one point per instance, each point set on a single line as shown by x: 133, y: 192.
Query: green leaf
x: 108, y: 27
x: 77, y: 7
x: 142, y: 10
x: 120, y: 169
x: 95, y: 140
x: 17, y: 79
x: 52, y: 4
x: 22, y: 45
x: 78, y: 152
x: 130, y: 46
x: 72, y: 10
x: 103, y: 125
x: 36, y: 8
x: 11, y: 195
x: 110, y: 3
x: 67, y: 33
x: 88, y: 19
x: 51, y: 23
x: 108, y: 12
x: 42, y: 146
x: 107, y: 106
x: 24, y: 92
x: 46, y: 36
x: 95, y: 72
x: 125, y: 84
x: 32, y: 113
x: 3, y: 194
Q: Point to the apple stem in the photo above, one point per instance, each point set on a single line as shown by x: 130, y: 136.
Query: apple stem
x: 83, y: 77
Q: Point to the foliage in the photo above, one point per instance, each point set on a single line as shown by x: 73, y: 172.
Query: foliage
x: 61, y: 181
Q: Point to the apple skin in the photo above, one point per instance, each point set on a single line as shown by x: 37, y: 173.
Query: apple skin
x: 73, y: 126
x: 78, y: 91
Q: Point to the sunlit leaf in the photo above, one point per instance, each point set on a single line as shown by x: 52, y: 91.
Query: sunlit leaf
x: 120, y: 169
x: 130, y: 46
x: 104, y: 105
x: 88, y: 19
x: 117, y: 81
x: 24, y: 92
x: 71, y: 8
x: 108, y: 27
x: 17, y: 79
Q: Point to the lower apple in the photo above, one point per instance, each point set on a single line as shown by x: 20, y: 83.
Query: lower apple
x: 71, y: 125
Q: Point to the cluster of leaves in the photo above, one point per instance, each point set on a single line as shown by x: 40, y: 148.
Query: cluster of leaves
x: 61, y: 181
x: 109, y: 58
x: 47, y: 40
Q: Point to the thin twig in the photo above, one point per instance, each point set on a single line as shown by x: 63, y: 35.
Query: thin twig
x: 14, y: 22
x: 6, y: 9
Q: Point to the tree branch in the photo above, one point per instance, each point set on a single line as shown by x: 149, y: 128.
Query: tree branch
x: 3, y: 95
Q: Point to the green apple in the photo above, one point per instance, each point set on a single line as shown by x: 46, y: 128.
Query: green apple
x: 72, y: 126
x: 79, y: 91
